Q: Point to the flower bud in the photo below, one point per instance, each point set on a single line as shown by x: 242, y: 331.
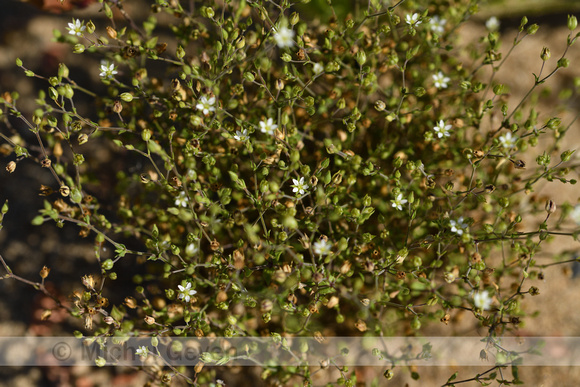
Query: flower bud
x: 531, y: 30
x: 545, y: 55
x: 127, y: 97
x: 146, y: 135
x: 361, y: 57
x: 149, y: 320
x: 180, y: 53
x: 564, y: 62
x: 90, y: 27
x: 78, y: 49
x: 572, y: 22
x: 62, y: 70
x: 294, y: 18
x: 550, y: 206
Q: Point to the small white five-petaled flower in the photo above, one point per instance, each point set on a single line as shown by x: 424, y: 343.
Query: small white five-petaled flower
x: 458, y: 226
x: 242, y: 135
x: 322, y: 247
x: 413, y: 20
x: 441, y: 129
x: 575, y: 214
x: 186, y: 292
x: 108, y: 70
x: 284, y: 37
x: 482, y: 300
x: 437, y: 24
x: 398, y: 202
x: 191, y: 249
x: 142, y: 351
x: 206, y: 105
x: 181, y: 200
x: 440, y: 80
x: 317, y: 68
x: 492, y: 24
x: 299, y: 186
x: 507, y: 141
x: 268, y: 127
x: 76, y: 27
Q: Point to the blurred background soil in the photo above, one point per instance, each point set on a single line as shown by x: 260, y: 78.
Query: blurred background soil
x: 26, y: 33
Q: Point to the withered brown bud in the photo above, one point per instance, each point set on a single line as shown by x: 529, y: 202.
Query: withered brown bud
x: 45, y: 190
x: 239, y: 259
x: 345, y: 268
x: 46, y: 163
x: 313, y: 308
x: 11, y: 166
x: 117, y: 107
x: 109, y: 320
x: 519, y: 164
x: 46, y: 315
x: 332, y: 302
x: 111, y: 32
x: 266, y: 306
x: 64, y: 190
x: 214, y: 245
x: 131, y: 302
x: 360, y: 325
x: 44, y: 272
x: 489, y: 188
x: 57, y: 150
x: 88, y: 322
x: 88, y: 281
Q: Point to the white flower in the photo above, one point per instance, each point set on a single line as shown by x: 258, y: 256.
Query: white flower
x: 440, y: 80
x: 268, y: 127
x: 317, y: 68
x: 284, y: 37
x: 191, y: 249
x: 413, y: 20
x: 142, y: 351
x: 76, y: 27
x: 299, y: 186
x: 181, y: 200
x: 398, y: 202
x: 575, y: 214
x: 108, y: 70
x: 437, y: 25
x: 322, y: 247
x: 206, y: 105
x: 441, y: 129
x: 458, y: 226
x: 186, y: 292
x: 492, y: 23
x: 482, y: 300
x: 507, y: 141
x: 242, y: 136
